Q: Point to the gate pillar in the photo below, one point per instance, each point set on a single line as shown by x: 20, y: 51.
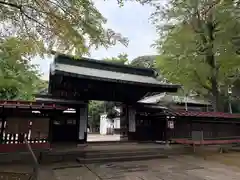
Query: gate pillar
x: 127, y: 122
x: 123, y: 122
x: 131, y: 123
x: 82, y: 118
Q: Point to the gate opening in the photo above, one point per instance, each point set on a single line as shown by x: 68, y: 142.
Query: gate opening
x: 103, y: 121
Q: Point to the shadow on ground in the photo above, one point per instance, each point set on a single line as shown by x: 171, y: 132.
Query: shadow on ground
x: 14, y: 176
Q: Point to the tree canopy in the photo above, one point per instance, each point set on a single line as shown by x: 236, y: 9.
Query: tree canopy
x: 19, y: 79
x: 70, y: 26
x: 198, y: 43
x: 122, y: 58
x: 144, y: 61
x: 96, y: 108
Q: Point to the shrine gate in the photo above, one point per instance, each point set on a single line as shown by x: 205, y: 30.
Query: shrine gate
x: 61, y: 115
x: 85, y: 79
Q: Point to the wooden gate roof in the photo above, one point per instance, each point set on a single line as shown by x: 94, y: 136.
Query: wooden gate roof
x: 97, y: 80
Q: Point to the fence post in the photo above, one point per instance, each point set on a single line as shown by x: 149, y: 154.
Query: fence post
x: 35, y: 161
x: 2, y: 129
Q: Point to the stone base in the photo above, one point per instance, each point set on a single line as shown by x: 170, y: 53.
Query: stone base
x: 82, y: 141
x: 132, y: 136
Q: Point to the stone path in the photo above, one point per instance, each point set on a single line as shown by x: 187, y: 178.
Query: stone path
x: 99, y: 137
x: 177, y: 168
x: 173, y: 168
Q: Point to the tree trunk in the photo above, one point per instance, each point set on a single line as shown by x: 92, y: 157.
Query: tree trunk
x: 214, y: 81
x: 211, y: 60
x: 215, y: 91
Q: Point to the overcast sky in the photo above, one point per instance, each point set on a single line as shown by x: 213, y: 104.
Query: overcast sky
x: 132, y: 21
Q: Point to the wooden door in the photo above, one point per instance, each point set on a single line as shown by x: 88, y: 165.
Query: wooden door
x: 64, y: 130
x: 159, y: 129
x: 144, y: 129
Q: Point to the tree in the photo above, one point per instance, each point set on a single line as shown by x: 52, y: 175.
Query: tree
x: 120, y: 59
x: 144, y: 61
x: 96, y: 108
x: 148, y: 61
x: 72, y: 26
x: 19, y: 79
x: 198, y: 45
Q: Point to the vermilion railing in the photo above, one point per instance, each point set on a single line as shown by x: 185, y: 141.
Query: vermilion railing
x: 10, y: 142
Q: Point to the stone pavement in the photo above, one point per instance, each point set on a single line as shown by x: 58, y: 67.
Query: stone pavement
x: 99, y: 137
x: 175, y: 168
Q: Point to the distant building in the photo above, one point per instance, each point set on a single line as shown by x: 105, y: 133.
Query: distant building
x: 178, y: 102
x: 110, y: 125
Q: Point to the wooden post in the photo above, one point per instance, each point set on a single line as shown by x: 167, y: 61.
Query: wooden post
x: 194, y: 147
x: 123, y: 122
x: 167, y: 132
x: 50, y: 130
x: 131, y: 123
x: 83, y: 120
x: 35, y: 161
x: 2, y: 129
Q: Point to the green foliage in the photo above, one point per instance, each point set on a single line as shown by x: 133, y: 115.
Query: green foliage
x: 197, y: 43
x: 148, y: 62
x: 19, y: 79
x: 70, y: 26
x: 96, y: 108
x: 120, y: 59
x: 235, y: 106
x: 121, y: 2
x: 144, y: 61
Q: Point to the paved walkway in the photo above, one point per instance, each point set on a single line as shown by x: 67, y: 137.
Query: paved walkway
x: 112, y: 147
x: 99, y: 137
x: 181, y: 168
x: 173, y: 168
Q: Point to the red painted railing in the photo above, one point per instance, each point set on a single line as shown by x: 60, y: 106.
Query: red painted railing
x: 206, y: 142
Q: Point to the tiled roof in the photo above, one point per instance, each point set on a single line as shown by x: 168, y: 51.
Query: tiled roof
x: 164, y: 97
x: 106, y: 75
x: 203, y: 114
x: 30, y: 105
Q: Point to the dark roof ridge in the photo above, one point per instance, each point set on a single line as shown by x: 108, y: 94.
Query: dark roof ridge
x: 98, y: 64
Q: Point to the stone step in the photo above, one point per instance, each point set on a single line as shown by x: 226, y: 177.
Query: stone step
x: 71, y: 156
x: 55, y: 156
x: 58, y: 158
x: 120, y: 158
x: 115, y: 153
x: 17, y: 158
x: 121, y: 153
